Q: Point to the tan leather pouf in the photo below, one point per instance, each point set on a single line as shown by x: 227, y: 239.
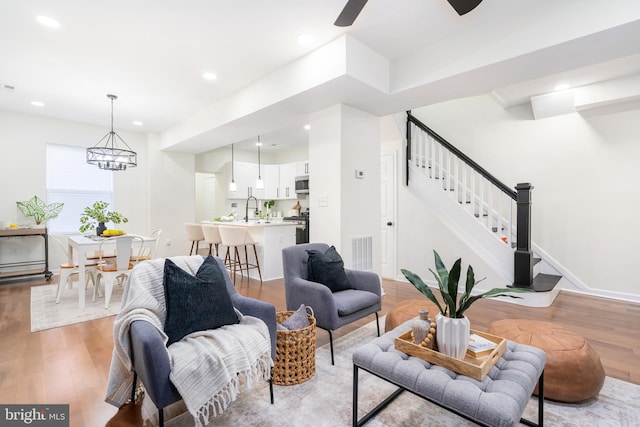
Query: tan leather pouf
x: 408, y: 309
x: 573, y: 371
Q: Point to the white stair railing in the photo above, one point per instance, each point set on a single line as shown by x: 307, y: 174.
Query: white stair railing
x: 479, y: 193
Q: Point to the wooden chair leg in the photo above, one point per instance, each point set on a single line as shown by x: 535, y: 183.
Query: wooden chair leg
x: 246, y: 260
x: 255, y: 251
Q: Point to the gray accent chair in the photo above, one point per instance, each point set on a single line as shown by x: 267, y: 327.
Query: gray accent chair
x: 332, y: 310
x: 149, y: 356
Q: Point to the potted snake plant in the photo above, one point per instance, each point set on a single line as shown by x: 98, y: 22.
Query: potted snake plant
x: 452, y: 325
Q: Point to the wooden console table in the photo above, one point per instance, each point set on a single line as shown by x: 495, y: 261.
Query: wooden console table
x: 28, y: 264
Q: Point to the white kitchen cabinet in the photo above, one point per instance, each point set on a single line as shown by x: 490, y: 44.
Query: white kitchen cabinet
x: 287, y: 186
x: 302, y: 168
x: 246, y: 175
x: 271, y: 177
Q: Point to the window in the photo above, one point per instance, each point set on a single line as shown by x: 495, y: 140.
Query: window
x: 70, y: 180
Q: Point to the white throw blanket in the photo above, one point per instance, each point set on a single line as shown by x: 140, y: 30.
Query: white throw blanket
x: 208, y: 368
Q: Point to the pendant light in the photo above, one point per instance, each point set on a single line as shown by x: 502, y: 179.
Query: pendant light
x: 232, y: 184
x: 259, y: 181
x: 109, y: 156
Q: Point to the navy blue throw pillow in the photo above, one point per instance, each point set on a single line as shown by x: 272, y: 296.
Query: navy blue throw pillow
x: 196, y: 303
x: 328, y: 268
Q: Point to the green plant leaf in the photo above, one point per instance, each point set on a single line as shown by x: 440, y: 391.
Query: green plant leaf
x: 443, y: 274
x: 416, y: 281
x: 495, y: 292
x: 454, y: 279
x: 36, y: 208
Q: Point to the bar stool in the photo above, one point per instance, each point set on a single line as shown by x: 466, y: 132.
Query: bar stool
x: 234, y: 237
x: 211, y: 236
x: 194, y: 235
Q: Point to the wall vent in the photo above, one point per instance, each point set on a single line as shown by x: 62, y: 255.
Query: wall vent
x: 362, y: 253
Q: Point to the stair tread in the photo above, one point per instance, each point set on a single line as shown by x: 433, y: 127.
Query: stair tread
x: 544, y: 282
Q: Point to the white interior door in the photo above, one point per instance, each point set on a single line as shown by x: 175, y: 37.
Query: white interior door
x: 205, y: 196
x: 388, y: 210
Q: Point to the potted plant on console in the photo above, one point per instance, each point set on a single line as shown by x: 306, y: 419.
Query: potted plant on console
x: 452, y: 326
x: 97, y: 214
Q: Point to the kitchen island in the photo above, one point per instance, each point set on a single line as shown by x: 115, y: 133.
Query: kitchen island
x: 271, y: 238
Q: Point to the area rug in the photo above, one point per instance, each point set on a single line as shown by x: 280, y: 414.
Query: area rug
x: 46, y: 314
x: 325, y: 400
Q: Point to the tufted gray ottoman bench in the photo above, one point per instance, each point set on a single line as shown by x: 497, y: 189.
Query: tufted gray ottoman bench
x: 498, y: 400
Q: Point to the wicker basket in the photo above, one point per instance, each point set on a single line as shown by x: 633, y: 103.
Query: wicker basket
x: 295, y: 352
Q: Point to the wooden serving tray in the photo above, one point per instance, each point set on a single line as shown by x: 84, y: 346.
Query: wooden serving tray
x: 470, y: 366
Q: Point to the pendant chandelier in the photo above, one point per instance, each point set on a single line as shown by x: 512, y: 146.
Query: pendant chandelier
x: 232, y: 184
x: 259, y: 181
x: 106, y: 153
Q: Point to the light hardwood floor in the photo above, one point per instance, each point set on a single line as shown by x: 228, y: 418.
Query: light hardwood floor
x: 70, y: 364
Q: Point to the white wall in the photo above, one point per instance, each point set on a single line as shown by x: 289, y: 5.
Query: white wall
x: 171, y: 197
x: 325, y: 178
x: 341, y: 140
x: 584, y: 172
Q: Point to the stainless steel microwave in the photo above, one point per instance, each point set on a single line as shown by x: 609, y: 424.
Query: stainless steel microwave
x: 302, y: 184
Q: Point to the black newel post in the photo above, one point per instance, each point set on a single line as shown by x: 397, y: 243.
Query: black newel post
x: 523, y: 260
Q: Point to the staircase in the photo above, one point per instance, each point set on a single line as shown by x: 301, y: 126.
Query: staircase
x: 493, y: 219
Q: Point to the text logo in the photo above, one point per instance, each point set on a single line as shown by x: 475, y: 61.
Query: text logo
x: 34, y: 415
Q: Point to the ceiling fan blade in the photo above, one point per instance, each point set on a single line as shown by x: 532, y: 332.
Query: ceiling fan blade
x: 350, y: 13
x: 464, y: 6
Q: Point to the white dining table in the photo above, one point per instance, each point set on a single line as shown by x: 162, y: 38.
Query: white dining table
x: 79, y: 245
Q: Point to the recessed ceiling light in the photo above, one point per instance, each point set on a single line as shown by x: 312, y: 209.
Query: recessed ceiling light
x: 307, y: 127
x: 209, y: 76
x: 37, y: 103
x: 48, y: 22
x: 138, y: 123
x: 562, y: 86
x: 259, y: 144
x: 305, y: 39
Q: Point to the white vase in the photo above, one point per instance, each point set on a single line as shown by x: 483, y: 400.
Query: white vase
x: 452, y: 335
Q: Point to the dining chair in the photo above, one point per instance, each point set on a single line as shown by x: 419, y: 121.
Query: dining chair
x: 194, y: 235
x: 118, y: 268
x: 69, y: 269
x: 147, y: 253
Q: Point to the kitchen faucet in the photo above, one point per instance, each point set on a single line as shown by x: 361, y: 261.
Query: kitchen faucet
x: 246, y: 208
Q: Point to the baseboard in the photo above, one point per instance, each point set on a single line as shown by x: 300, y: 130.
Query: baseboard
x: 545, y: 301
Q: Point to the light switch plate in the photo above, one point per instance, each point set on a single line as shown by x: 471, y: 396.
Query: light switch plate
x: 359, y: 174
x: 323, y: 201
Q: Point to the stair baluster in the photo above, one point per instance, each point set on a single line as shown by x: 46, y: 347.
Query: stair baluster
x: 490, y: 201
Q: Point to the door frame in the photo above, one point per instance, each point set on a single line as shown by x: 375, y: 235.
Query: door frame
x: 392, y: 248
